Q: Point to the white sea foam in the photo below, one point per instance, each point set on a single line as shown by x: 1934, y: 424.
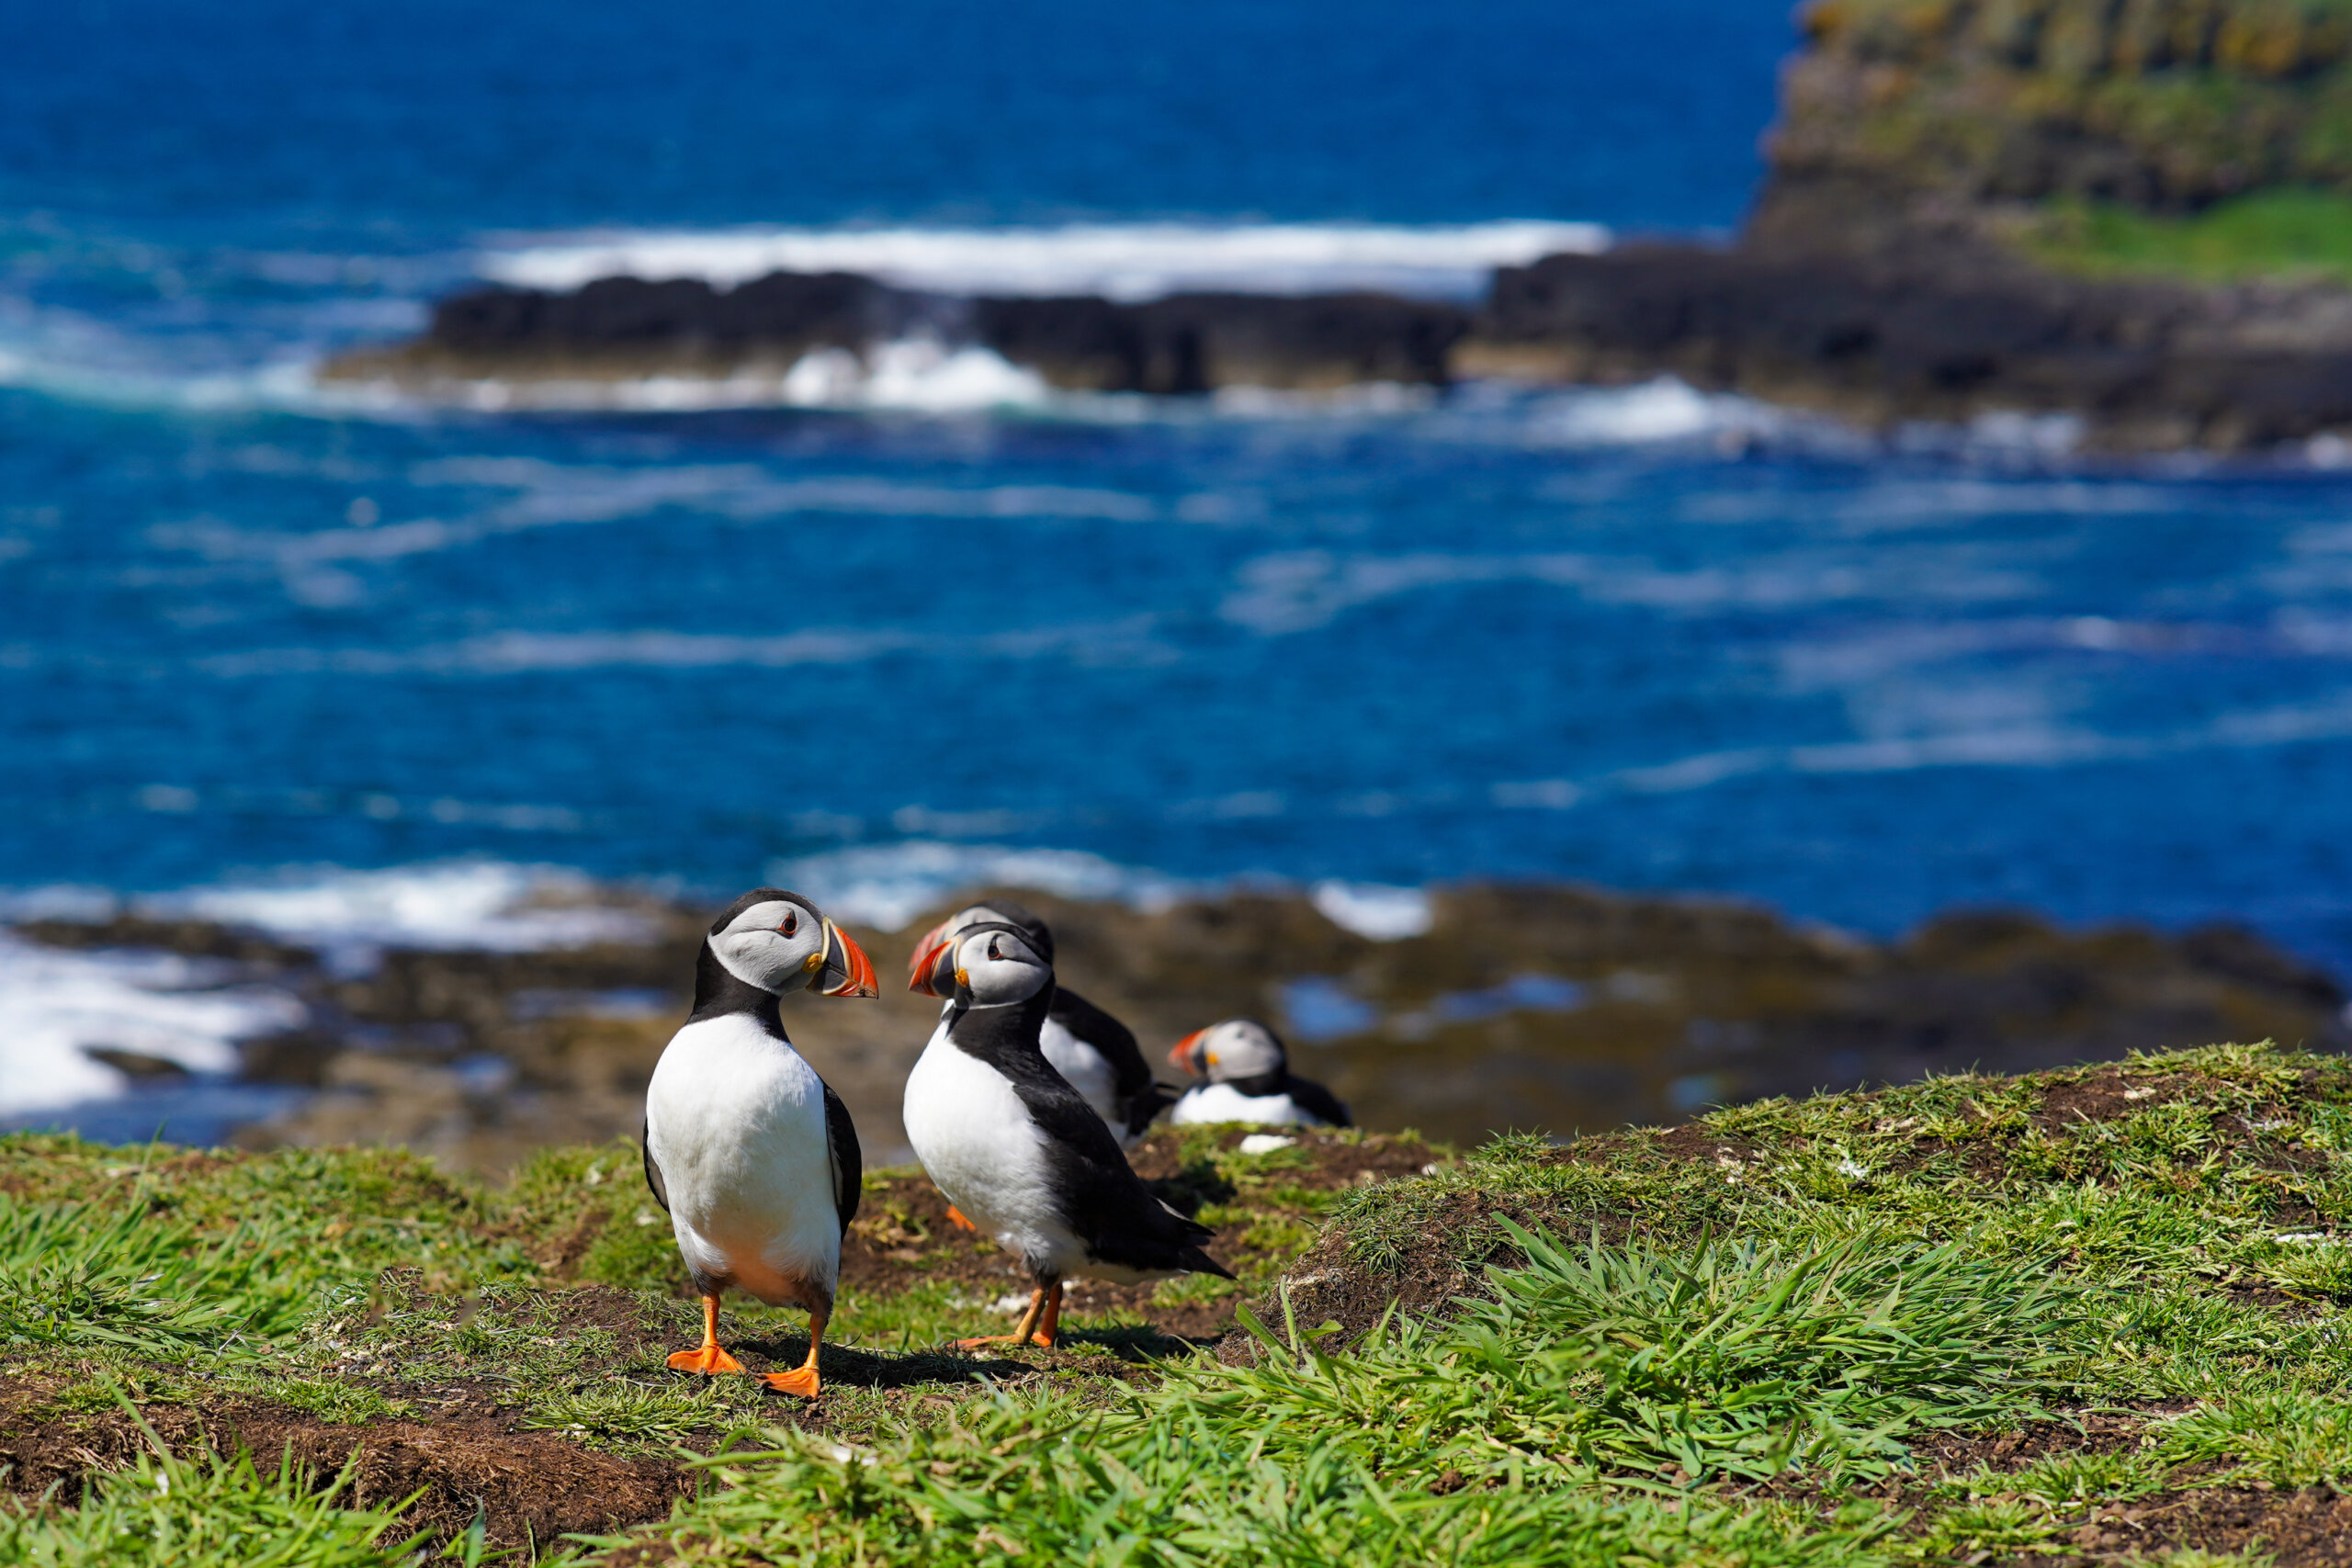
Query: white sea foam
x: 56, y: 1004
x: 887, y: 885
x: 1295, y: 590
x: 1656, y: 411
x: 351, y: 916
x: 914, y: 374
x: 1129, y: 641
x: 1122, y: 261
x: 1374, y: 910
x: 2026, y: 743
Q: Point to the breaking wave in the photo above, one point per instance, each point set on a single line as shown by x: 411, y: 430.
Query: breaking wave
x: 1122, y: 261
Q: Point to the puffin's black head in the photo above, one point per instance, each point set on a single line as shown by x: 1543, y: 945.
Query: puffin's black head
x: 994, y: 966
x: 927, y: 971
x: 778, y: 942
x: 1226, y: 1053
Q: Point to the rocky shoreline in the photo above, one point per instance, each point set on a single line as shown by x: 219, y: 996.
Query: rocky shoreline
x: 1947, y: 334
x: 1561, y: 1009
x: 1888, y: 274
x: 627, y: 328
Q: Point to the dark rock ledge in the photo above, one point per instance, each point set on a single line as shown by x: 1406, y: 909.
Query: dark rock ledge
x: 1945, y: 332
x: 618, y: 328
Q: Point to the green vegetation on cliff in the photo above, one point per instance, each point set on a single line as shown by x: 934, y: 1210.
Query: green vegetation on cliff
x: 2096, y: 1315
x: 2293, y: 234
x: 2164, y: 104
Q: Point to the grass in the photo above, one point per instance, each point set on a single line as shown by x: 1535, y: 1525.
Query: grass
x: 2283, y: 233
x: 166, y: 1512
x: 1967, y: 1319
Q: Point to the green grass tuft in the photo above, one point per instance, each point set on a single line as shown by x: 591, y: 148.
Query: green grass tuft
x: 166, y: 1512
x: 2277, y: 235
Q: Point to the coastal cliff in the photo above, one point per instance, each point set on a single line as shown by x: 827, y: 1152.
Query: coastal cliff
x: 1898, y: 111
x: 2125, y: 212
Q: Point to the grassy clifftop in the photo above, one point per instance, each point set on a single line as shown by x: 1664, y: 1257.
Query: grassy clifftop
x: 2205, y: 140
x: 2092, y: 1316
x: 2162, y: 104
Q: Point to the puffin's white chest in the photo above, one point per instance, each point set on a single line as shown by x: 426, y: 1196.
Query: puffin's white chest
x: 1087, y: 1073
x: 979, y: 1145
x: 736, y: 1120
x: 1222, y: 1102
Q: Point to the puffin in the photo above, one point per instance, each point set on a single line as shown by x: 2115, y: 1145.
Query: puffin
x: 1094, y: 1050
x: 1249, y: 1079
x: 1020, y: 1152
x: 750, y: 1153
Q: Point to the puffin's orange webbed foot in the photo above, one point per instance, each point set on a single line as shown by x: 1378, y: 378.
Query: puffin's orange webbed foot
x: 706, y: 1358
x: 803, y: 1381
x: 1036, y: 1326
x: 955, y: 1217
x: 709, y: 1359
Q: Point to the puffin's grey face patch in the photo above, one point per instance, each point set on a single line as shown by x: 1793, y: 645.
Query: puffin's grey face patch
x: 1000, y: 967
x: 769, y: 944
x: 1240, y: 1048
x: 1040, y: 939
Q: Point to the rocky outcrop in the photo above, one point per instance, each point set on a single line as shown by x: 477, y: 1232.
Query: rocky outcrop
x: 627, y: 322
x: 1891, y: 270
x: 1196, y: 343
x: 619, y: 327
x: 1925, y: 336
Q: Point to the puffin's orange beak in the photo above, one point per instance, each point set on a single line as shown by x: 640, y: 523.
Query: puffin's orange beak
x: 1186, y: 1057
x: 924, y: 974
x: 848, y: 972
x: 926, y: 955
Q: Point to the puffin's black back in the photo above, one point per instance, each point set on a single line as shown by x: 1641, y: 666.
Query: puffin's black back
x: 1098, y: 1193
x: 1131, y: 1075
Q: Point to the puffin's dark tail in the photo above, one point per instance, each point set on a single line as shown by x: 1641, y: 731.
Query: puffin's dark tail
x: 1193, y: 1260
x: 1145, y: 1107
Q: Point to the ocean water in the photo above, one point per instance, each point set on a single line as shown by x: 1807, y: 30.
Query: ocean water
x: 348, y: 666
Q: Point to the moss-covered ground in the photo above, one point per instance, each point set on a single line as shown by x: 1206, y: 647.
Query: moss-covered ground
x: 2092, y: 1316
x: 2287, y: 234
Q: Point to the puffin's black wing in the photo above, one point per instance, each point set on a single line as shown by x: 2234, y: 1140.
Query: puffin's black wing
x: 1140, y: 1097
x: 1099, y: 1194
x: 1114, y: 1040
x: 849, y: 1162
x: 652, y: 1171
x: 1317, y: 1100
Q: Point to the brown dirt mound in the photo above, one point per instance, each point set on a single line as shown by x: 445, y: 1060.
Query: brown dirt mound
x: 528, y: 1486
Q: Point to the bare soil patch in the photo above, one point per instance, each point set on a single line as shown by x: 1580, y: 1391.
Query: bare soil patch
x: 527, y: 1486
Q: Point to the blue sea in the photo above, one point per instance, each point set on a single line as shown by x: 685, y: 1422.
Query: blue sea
x: 880, y: 632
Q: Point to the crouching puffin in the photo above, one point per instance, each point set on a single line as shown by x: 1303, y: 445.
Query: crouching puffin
x: 1249, y: 1079
x: 747, y: 1148
x: 1095, y: 1051
x: 1017, y: 1150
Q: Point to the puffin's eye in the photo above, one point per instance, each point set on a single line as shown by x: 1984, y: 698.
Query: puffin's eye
x: 992, y: 952
x: 791, y: 924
